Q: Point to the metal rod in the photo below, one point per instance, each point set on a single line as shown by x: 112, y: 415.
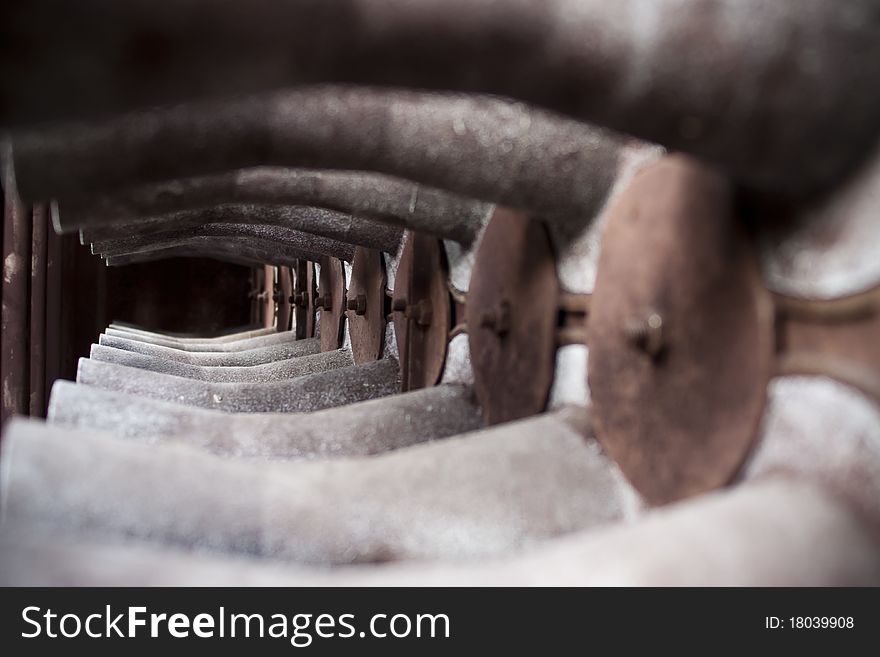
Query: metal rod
x: 291, y: 349
x: 37, y: 340
x: 287, y: 223
x: 359, y: 429
x: 252, y: 249
x: 16, y: 296
x: 265, y: 373
x: 276, y: 337
x: 481, y: 147
x: 783, y: 95
x: 316, y: 194
x: 297, y: 240
x: 472, y: 496
x: 302, y: 394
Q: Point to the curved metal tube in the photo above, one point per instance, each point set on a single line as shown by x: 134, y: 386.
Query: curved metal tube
x: 295, y: 239
x: 343, y: 228
x: 781, y: 93
x: 317, y: 193
x: 481, y: 147
x: 242, y: 249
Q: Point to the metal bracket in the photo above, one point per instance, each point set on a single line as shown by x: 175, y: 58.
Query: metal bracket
x: 681, y: 336
x: 330, y: 302
x: 512, y: 314
x: 365, y: 305
x: 421, y: 308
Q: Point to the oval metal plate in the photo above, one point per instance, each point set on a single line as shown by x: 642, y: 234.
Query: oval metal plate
x: 678, y: 406
x: 423, y: 332
x: 368, y: 281
x: 512, y: 308
x: 332, y: 282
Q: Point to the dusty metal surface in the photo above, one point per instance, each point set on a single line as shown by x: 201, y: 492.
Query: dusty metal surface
x: 329, y: 224
x: 270, y: 234
x: 680, y: 334
x: 14, y: 361
x: 476, y: 146
x: 748, y: 97
x: 311, y: 296
x: 365, y: 304
x: 837, y: 338
x: 285, y: 368
x: 282, y: 294
x: 302, y: 394
x: 421, y: 310
x: 37, y: 323
x: 359, y: 429
x: 512, y: 306
x: 303, y: 299
x: 331, y: 302
x: 302, y: 198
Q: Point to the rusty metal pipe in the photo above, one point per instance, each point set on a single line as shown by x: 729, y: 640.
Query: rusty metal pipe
x: 297, y: 240
x: 258, y: 356
x: 265, y: 373
x: 772, y: 533
x: 354, y: 195
x: 223, y: 253
x: 17, y: 234
x: 465, y: 497
x: 277, y: 337
x: 782, y: 94
x: 481, y: 147
x: 239, y: 333
x: 244, y: 249
x: 310, y: 392
x: 359, y: 429
x: 298, y: 222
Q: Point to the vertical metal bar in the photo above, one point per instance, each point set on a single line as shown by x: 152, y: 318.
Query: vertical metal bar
x: 16, y: 276
x: 38, y: 311
x: 53, y: 308
x: 268, y: 301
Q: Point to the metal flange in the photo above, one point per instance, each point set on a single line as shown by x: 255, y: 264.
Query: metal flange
x: 421, y: 307
x: 365, y: 305
x: 512, y: 316
x: 330, y: 302
x: 303, y: 299
x: 681, y: 337
x: 283, y: 293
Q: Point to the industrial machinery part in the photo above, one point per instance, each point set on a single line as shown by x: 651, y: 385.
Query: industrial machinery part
x: 331, y: 303
x: 293, y: 197
x: 771, y: 132
x: 422, y: 311
x: 367, y: 305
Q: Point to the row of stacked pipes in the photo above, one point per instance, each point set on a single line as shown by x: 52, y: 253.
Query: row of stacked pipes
x: 711, y: 164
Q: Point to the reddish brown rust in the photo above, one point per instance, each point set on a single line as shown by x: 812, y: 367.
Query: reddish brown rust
x: 365, y: 305
x: 266, y: 295
x: 512, y: 308
x: 421, y: 308
x: 838, y: 338
x: 283, y: 292
x: 680, y: 334
x: 330, y: 302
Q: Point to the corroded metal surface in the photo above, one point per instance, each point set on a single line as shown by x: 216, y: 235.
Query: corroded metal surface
x: 330, y: 302
x: 421, y: 308
x: 512, y: 306
x: 365, y: 305
x: 680, y: 334
x: 283, y: 291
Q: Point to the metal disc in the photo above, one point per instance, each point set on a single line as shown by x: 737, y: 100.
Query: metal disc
x: 366, y: 305
x: 311, y: 295
x: 331, y: 303
x: 283, y: 294
x: 512, y: 308
x: 680, y: 334
x: 422, y: 315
